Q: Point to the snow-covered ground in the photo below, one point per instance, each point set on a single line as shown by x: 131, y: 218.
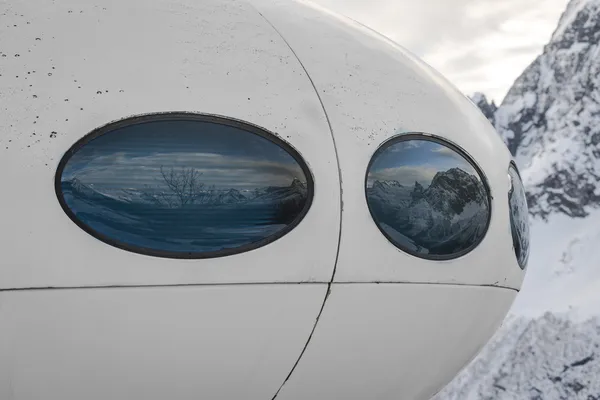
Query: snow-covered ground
x: 564, y: 268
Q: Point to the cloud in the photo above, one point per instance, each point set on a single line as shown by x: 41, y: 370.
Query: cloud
x: 405, y: 145
x: 220, y: 170
x: 480, y: 45
x: 443, y: 150
x: 407, y: 174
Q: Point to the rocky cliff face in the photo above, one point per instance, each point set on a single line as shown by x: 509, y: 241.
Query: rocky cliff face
x: 550, y: 118
x: 487, y: 108
x: 550, y: 121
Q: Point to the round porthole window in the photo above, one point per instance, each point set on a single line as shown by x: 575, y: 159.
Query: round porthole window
x: 184, y: 185
x: 519, y: 216
x: 427, y: 197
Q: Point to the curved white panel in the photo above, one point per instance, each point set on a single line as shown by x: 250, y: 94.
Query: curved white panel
x: 73, y: 66
x: 372, y: 90
x: 395, y: 341
x: 203, y: 342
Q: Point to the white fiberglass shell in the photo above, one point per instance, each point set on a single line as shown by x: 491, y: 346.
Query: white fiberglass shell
x: 84, y: 317
x: 373, y: 90
x: 153, y: 343
x: 395, y: 341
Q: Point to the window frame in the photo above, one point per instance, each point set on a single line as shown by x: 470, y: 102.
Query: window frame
x: 193, y: 117
x: 513, y: 164
x: 402, y: 137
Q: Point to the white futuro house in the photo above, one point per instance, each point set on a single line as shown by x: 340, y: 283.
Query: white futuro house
x: 331, y: 299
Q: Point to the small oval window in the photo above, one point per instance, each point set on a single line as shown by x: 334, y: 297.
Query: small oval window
x: 519, y: 216
x: 184, y: 185
x: 427, y: 198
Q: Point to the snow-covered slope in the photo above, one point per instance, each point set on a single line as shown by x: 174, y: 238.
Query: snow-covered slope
x: 549, y: 357
x: 550, y: 120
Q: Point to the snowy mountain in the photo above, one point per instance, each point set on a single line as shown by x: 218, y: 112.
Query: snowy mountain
x: 390, y: 192
x: 203, y: 220
x: 442, y: 218
x: 295, y: 192
x: 550, y: 120
x: 448, y: 197
x: 487, y: 108
x: 229, y: 196
x: 448, y: 193
x: 160, y: 197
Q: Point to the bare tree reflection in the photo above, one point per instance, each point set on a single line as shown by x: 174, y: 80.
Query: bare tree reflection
x: 185, y: 184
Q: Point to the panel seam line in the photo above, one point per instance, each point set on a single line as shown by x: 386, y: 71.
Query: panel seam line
x: 337, y: 159
x: 203, y: 285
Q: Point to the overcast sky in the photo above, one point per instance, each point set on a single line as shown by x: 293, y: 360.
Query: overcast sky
x: 480, y: 45
x: 137, y: 156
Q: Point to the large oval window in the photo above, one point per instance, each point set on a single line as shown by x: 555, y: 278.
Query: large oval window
x: 519, y: 216
x: 184, y: 185
x: 427, y: 197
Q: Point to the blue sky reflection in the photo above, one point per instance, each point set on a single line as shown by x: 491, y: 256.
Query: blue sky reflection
x: 415, y: 160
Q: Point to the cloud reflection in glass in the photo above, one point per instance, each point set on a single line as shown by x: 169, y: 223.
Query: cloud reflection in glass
x: 427, y: 198
x: 184, y: 187
x: 519, y: 217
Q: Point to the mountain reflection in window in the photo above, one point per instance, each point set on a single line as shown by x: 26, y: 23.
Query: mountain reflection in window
x: 427, y: 198
x: 184, y: 187
x: 519, y: 217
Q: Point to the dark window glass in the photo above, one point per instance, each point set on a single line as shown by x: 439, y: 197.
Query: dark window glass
x: 184, y: 186
x: 519, y: 216
x: 427, y: 198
